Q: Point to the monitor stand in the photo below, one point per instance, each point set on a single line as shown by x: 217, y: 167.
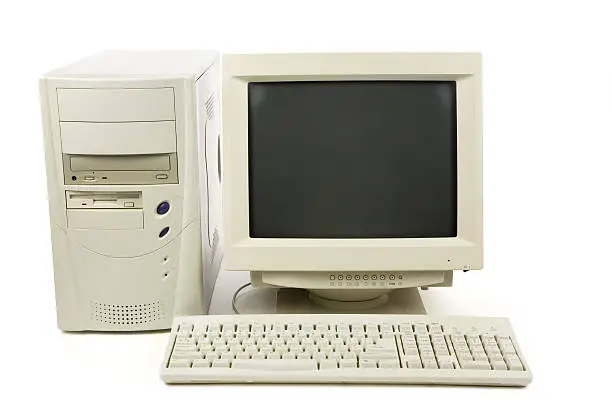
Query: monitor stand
x: 398, y: 301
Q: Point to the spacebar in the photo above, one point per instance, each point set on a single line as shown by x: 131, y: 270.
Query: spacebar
x: 275, y: 365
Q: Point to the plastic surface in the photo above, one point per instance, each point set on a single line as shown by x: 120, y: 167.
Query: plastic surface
x: 245, y: 252
x: 186, y: 359
x: 113, y: 272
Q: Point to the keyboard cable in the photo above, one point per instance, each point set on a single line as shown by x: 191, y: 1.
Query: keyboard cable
x: 235, y: 297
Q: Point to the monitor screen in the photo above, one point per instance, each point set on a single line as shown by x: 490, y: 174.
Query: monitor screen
x: 352, y: 159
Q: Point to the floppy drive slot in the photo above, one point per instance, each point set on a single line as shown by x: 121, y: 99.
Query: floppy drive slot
x: 103, y: 200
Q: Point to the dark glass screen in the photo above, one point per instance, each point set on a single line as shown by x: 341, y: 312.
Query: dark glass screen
x: 355, y: 159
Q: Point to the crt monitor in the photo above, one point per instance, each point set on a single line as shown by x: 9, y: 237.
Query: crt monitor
x: 351, y: 175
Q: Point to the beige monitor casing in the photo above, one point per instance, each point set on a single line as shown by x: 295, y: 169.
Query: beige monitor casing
x: 300, y: 262
x: 125, y: 131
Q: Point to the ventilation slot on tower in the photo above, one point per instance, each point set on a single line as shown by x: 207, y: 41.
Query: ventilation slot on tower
x: 210, y: 106
x: 126, y: 315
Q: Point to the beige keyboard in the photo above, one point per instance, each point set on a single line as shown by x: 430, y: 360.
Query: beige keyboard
x: 393, y: 349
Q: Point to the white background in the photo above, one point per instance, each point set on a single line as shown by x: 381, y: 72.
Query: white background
x: 547, y: 130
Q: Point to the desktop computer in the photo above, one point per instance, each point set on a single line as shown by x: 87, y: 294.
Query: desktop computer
x: 131, y: 141
x: 352, y: 179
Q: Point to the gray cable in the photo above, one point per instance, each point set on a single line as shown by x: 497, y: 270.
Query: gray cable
x: 236, y: 293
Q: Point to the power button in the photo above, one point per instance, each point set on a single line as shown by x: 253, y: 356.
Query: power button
x: 163, y: 207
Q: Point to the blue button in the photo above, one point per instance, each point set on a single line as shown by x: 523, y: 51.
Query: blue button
x: 163, y: 207
x: 163, y: 232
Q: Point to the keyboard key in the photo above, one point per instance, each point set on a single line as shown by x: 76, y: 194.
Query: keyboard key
x: 480, y: 356
x: 212, y: 355
x: 213, y: 328
x: 389, y: 363
x: 187, y: 356
x: 435, y: 328
x: 386, y: 328
x: 513, y: 362
x: 405, y: 328
x: 276, y: 365
x: 348, y: 363
x: 221, y: 349
x: 221, y: 364
x: 411, y: 351
x: 376, y: 355
x: 414, y: 364
x: 185, y: 349
x: 327, y: 364
x: 350, y: 355
x: 319, y: 356
x: 179, y: 363
x: 475, y: 365
x: 304, y: 355
x: 308, y: 327
x: 185, y: 327
x: 430, y: 363
x: 185, y: 341
x: 499, y: 365
x: 324, y: 326
x: 368, y: 363
x: 201, y: 363
x: 205, y: 348
x: 244, y: 327
x: 334, y: 356
x: 219, y: 342
x: 482, y: 365
x: 446, y: 365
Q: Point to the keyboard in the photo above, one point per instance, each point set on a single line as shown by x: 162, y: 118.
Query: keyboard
x: 387, y: 349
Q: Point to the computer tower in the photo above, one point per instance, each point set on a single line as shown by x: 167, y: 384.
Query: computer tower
x: 133, y: 172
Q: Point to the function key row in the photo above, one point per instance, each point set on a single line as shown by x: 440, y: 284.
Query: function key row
x: 403, y: 328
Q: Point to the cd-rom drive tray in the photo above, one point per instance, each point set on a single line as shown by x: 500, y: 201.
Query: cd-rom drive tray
x: 82, y: 169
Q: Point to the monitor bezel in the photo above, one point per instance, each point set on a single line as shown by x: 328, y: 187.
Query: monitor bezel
x: 354, y: 254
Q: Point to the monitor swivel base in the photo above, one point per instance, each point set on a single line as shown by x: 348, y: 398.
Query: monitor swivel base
x: 356, y: 299
x: 398, y: 301
x: 361, y: 304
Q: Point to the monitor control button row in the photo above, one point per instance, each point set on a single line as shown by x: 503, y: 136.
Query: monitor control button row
x: 365, y: 277
x: 369, y: 280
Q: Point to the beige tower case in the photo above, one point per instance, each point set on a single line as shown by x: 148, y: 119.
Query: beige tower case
x: 133, y: 172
